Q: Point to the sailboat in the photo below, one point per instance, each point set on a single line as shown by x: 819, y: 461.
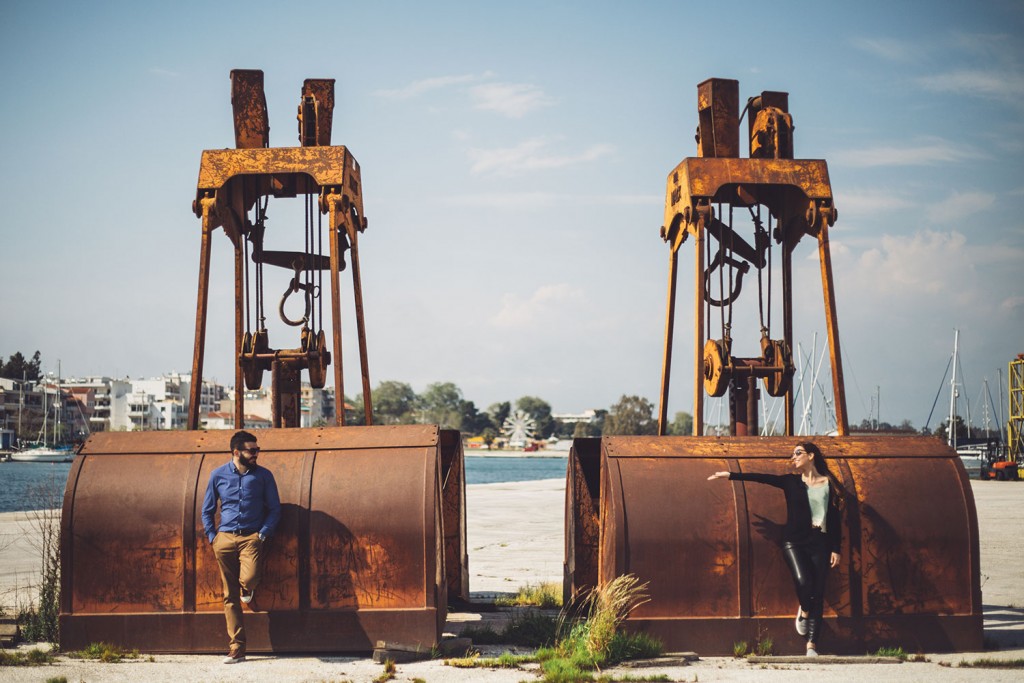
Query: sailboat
x: 46, y: 449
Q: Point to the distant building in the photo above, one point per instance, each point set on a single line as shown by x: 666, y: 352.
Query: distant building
x: 587, y: 416
x: 109, y: 398
x: 226, y: 420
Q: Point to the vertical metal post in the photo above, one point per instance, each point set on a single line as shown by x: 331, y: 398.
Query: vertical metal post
x: 832, y: 325
x: 196, y: 385
x: 670, y: 317
x: 787, y: 318
x: 239, y: 332
x: 698, y: 332
x: 357, y: 289
x: 335, y: 214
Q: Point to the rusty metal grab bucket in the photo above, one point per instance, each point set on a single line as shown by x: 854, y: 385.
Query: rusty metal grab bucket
x: 359, y: 554
x: 909, y: 575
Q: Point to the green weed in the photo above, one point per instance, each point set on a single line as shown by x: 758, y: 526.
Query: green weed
x: 544, y: 595
x: 993, y: 664
x: 740, y: 649
x: 389, y: 672
x: 104, y: 652
x: 891, y: 652
x: 33, y: 657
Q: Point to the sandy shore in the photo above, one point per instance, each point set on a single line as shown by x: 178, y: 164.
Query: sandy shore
x: 515, y: 538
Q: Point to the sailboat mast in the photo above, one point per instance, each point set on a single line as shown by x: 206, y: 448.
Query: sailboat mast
x: 952, y: 391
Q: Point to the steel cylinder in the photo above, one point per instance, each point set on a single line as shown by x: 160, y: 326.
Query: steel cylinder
x: 709, y: 551
x: 359, y: 554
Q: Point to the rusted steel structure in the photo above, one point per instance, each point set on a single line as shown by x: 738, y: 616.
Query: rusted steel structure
x: 910, y: 571
x: 372, y: 542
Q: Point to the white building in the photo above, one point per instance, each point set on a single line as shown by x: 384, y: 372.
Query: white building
x: 586, y: 416
x: 109, y: 402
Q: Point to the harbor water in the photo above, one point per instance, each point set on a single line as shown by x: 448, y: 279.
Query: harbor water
x: 40, y: 485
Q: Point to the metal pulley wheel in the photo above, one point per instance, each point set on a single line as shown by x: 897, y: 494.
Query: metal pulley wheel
x: 716, y: 372
x: 253, y: 367
x: 319, y: 358
x: 775, y: 352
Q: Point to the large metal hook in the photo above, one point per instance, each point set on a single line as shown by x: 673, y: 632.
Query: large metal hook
x: 719, y: 262
x: 295, y: 286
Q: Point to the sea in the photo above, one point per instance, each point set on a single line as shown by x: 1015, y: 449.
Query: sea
x: 40, y: 485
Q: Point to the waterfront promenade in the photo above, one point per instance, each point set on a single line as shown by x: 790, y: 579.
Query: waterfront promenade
x: 515, y: 538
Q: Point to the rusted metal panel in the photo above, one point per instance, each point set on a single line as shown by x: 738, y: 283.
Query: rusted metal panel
x: 909, y: 572
x: 306, y: 167
x: 453, y: 496
x: 719, y: 179
x: 361, y: 533
x: 249, y: 107
x: 318, y: 97
x: 582, y: 513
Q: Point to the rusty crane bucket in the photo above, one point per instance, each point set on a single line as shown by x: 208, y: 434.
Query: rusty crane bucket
x: 372, y: 541
x: 910, y: 572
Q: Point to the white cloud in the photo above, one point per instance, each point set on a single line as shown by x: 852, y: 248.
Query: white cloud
x: 513, y: 100
x: 1012, y: 305
x: 530, y: 155
x: 924, y: 152
x: 930, y: 271
x: 542, y: 200
x: 547, y: 304
x: 960, y: 205
x: 164, y: 73
x: 885, y: 48
x: 998, y: 84
x: 860, y: 202
x: 425, y: 85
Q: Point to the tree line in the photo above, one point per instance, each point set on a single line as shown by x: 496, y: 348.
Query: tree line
x: 443, y: 403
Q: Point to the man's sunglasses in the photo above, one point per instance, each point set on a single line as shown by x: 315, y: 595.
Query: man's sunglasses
x: 255, y: 450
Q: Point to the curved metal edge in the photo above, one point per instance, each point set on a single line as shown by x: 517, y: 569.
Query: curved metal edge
x: 67, y: 529
x: 188, y: 532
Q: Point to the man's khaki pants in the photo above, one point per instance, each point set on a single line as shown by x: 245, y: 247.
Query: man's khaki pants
x: 240, y: 567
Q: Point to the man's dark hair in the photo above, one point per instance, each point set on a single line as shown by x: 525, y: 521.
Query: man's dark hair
x: 239, y: 440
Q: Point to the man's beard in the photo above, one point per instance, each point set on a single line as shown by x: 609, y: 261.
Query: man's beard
x: 246, y: 462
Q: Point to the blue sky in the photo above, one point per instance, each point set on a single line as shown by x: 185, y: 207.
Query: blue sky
x: 514, y: 159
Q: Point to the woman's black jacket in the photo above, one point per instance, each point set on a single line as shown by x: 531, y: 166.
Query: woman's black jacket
x: 798, y: 510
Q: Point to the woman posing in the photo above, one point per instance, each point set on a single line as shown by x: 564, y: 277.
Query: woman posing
x: 812, y: 536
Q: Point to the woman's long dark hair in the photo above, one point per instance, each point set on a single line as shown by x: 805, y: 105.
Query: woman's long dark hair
x: 835, y: 488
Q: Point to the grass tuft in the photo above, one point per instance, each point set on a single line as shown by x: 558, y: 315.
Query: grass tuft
x: 546, y: 595
x: 740, y: 649
x: 993, y: 664
x: 897, y: 652
x: 104, y: 652
x: 765, y: 646
x: 33, y: 657
x: 389, y: 672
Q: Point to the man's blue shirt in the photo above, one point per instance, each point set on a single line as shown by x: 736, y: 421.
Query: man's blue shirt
x: 247, y: 501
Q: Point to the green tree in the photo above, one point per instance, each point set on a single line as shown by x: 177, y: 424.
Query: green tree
x: 473, y: 421
x: 17, y: 367
x: 592, y: 428
x: 356, y: 415
x: 942, y: 431
x: 540, y: 411
x: 681, y: 425
x: 394, y: 403
x: 631, y: 415
x: 441, y: 403
x: 489, y: 434
x: 499, y: 412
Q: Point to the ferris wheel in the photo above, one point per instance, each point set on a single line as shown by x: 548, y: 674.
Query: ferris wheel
x: 519, y: 427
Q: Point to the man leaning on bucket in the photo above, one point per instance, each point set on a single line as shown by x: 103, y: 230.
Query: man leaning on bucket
x: 250, y: 509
